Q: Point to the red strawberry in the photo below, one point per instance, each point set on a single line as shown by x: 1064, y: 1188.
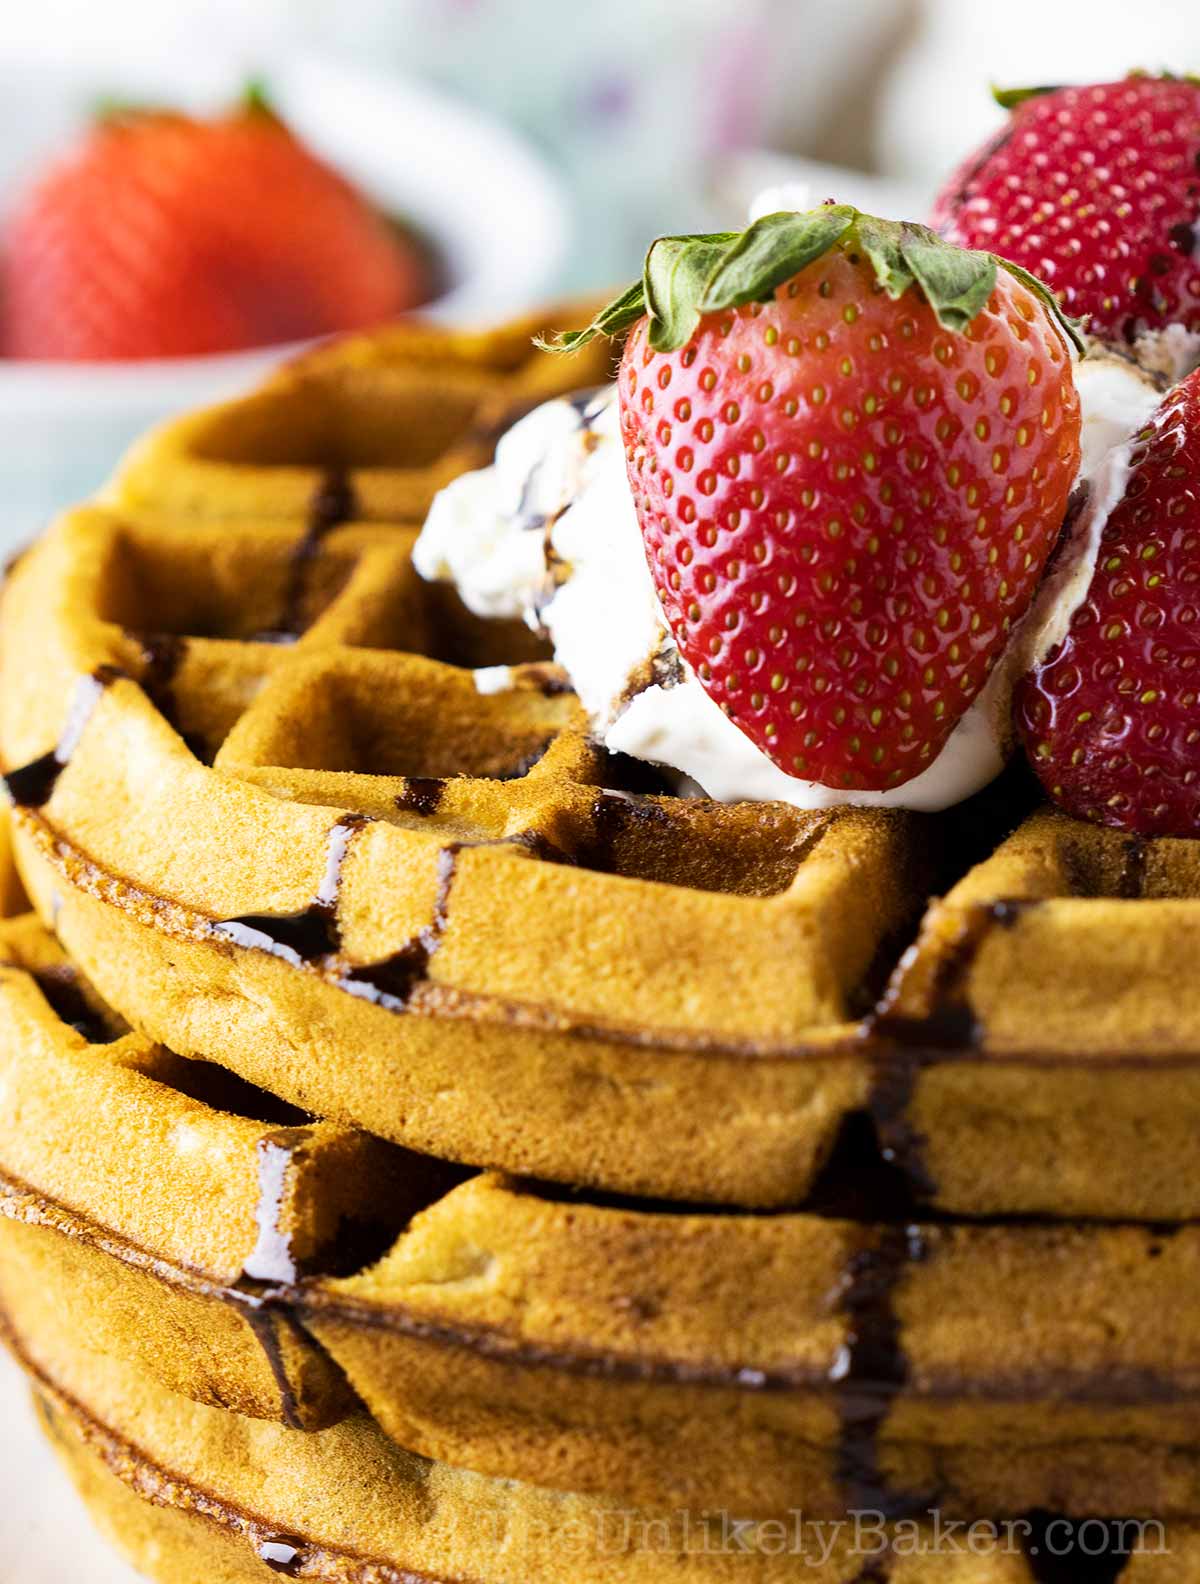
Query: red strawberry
x: 1096, y: 190
x: 1110, y: 718
x: 850, y: 448
x: 162, y: 236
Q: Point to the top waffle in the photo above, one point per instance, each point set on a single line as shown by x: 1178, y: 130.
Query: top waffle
x: 289, y: 816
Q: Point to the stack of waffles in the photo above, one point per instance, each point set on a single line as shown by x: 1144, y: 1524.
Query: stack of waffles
x: 432, y: 1151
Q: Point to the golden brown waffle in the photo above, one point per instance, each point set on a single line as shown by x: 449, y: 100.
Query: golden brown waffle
x: 664, y: 1357
x: 1054, y: 995
x: 191, y: 1493
x: 334, y: 919
x: 340, y: 869
x: 491, y: 970
x: 383, y: 420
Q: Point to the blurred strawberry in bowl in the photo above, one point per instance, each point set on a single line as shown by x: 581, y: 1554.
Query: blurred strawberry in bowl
x: 159, y: 234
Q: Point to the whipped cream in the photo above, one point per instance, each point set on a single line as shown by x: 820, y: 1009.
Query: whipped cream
x: 549, y: 533
x: 1117, y: 398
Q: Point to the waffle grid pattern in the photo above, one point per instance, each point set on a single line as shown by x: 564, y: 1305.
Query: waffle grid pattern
x: 578, y: 1132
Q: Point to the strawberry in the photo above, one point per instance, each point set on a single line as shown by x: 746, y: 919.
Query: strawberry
x: 1109, y: 718
x: 1096, y: 190
x: 160, y: 235
x: 850, y: 448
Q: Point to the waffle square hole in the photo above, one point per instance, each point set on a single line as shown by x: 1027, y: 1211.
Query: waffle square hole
x: 462, y: 639
x: 742, y: 849
x: 363, y: 418
x: 211, y: 584
x: 374, y: 713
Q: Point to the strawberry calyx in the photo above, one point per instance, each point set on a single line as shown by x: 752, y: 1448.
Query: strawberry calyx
x: 685, y: 277
x: 1011, y: 98
x: 254, y: 102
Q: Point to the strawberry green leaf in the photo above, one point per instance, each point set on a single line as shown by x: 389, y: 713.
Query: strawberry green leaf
x: 256, y: 100
x: 687, y: 276
x: 771, y: 251
x: 1010, y: 98
x: 677, y: 268
x: 881, y: 241
x: 612, y: 320
x: 956, y: 282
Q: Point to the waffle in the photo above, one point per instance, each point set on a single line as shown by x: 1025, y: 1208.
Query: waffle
x: 403, y: 999
x: 416, y: 899
x: 394, y: 1085
x: 513, y: 1329
x: 179, y: 1487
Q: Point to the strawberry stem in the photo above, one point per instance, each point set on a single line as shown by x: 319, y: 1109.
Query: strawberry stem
x: 256, y: 100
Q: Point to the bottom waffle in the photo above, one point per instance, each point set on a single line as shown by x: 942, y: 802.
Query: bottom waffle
x: 192, y: 1494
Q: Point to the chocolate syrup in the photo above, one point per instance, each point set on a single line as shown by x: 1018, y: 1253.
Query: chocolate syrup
x: 32, y: 785
x: 282, y: 1554
x: 390, y: 983
x: 262, y: 1321
x: 422, y: 795
x: 613, y: 814
x: 333, y: 502
x: 522, y: 766
x: 893, y: 1085
x: 304, y: 937
x: 162, y: 655
x: 1133, y: 869
x: 271, y: 1258
x: 877, y: 1571
x: 550, y: 680
x: 584, y: 400
x: 1075, y: 1551
x: 871, y: 1368
x: 907, y: 1045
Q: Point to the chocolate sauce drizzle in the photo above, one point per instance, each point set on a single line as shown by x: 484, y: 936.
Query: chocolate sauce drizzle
x: 32, y: 785
x: 271, y: 1259
x: 282, y: 1554
x: 262, y: 1320
x: 871, y: 1369
x: 307, y: 937
x: 333, y: 503
x: 529, y: 519
x: 908, y: 1045
x: 422, y: 795
x: 303, y: 937
x: 877, y: 1571
x: 1132, y: 877
x: 613, y: 814
x: 1063, y: 1550
x: 162, y: 655
x: 390, y: 983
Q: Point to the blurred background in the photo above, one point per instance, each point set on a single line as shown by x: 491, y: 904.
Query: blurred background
x: 537, y: 145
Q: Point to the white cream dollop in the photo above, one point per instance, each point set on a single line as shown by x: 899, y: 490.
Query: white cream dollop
x: 549, y: 533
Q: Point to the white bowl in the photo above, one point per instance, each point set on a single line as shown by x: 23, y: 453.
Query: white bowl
x: 494, y: 210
